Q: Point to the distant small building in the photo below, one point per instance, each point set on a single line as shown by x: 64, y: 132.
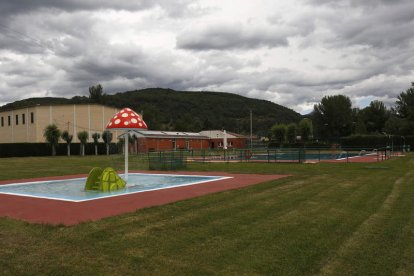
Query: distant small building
x: 216, y: 138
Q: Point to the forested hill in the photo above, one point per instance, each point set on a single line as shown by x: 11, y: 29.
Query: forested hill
x: 166, y: 109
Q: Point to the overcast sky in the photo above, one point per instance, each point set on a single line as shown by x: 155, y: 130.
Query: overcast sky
x: 291, y: 52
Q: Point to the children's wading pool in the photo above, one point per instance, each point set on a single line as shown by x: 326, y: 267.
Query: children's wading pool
x: 73, y: 189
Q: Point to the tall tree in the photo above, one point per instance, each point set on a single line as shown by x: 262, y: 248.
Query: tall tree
x: 96, y: 93
x: 374, y: 116
x: 291, y: 132
x: 405, y: 103
x: 360, y: 127
x: 334, y: 116
x: 305, y: 129
x: 107, y: 138
x: 279, y: 132
x: 52, y: 135
x: 83, y: 137
x: 95, y: 137
x: 68, y: 139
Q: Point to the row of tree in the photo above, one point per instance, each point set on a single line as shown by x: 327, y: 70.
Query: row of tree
x: 282, y: 133
x: 52, y: 135
x: 335, y: 117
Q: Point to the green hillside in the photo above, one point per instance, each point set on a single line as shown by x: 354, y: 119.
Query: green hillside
x: 166, y: 109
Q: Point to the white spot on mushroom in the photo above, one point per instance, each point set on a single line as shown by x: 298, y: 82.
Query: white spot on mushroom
x: 128, y: 109
x: 134, y: 120
x: 126, y: 123
x: 125, y: 115
x: 117, y: 121
x: 140, y: 124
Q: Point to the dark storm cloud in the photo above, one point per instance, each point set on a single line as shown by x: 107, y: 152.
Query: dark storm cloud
x: 235, y: 36
x: 10, y: 7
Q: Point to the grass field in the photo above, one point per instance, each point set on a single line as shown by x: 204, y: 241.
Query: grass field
x: 327, y: 219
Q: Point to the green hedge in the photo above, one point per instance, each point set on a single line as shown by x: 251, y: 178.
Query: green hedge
x: 376, y: 141
x: 44, y: 149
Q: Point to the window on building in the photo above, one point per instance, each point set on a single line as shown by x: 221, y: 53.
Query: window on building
x: 17, y: 119
x: 2, y: 121
x: 31, y: 117
x: 23, y: 119
x: 9, y: 120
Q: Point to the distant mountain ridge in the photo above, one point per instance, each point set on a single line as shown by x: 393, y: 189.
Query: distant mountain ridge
x: 167, y: 109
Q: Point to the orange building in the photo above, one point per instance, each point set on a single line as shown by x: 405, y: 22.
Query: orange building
x: 151, y: 140
x: 172, y: 140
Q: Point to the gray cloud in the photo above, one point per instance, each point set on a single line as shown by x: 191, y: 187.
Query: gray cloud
x: 11, y: 8
x: 232, y: 36
x: 362, y: 49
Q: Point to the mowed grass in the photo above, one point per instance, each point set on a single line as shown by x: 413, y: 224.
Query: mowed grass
x: 327, y: 219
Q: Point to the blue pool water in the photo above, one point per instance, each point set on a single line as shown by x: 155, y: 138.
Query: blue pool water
x: 73, y: 189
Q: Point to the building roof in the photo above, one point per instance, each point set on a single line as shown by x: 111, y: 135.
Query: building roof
x: 168, y: 134
x: 8, y: 109
x: 219, y: 134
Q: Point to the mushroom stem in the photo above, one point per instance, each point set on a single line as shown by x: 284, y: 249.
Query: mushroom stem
x: 126, y: 157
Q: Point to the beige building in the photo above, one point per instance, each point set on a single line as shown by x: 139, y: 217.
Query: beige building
x: 27, y: 124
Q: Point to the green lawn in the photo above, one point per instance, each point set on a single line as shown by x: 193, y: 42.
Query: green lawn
x: 327, y: 219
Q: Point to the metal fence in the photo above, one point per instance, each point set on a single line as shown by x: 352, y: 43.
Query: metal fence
x: 171, y: 160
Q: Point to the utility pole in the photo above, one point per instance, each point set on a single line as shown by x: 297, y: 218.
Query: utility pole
x: 251, y: 130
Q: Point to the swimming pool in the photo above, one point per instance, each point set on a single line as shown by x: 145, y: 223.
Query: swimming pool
x: 73, y: 189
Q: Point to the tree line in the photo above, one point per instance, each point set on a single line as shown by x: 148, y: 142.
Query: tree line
x: 52, y: 135
x: 335, y: 117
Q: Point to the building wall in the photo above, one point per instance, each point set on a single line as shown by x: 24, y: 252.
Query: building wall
x: 163, y: 144
x: 73, y: 118
x: 21, y: 128
x: 235, y: 143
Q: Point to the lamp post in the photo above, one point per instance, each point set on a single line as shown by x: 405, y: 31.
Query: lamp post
x: 390, y: 138
x: 404, y: 143
x: 251, y: 130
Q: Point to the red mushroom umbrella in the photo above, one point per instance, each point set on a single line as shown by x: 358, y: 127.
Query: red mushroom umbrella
x: 126, y: 120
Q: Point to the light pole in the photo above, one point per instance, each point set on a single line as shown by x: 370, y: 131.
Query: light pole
x: 251, y: 130
x: 389, y: 136
x: 404, y: 143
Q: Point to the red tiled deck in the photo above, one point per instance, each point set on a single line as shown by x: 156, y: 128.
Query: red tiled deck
x: 49, y: 211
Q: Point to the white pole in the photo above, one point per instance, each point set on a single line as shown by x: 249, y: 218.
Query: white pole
x: 126, y: 156
x: 224, y: 140
x: 251, y: 130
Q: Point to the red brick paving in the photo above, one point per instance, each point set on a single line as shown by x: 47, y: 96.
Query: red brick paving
x: 49, y: 211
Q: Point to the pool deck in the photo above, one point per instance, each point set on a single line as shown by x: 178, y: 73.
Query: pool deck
x: 49, y: 211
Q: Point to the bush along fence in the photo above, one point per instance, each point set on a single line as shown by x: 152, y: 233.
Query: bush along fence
x: 44, y: 149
